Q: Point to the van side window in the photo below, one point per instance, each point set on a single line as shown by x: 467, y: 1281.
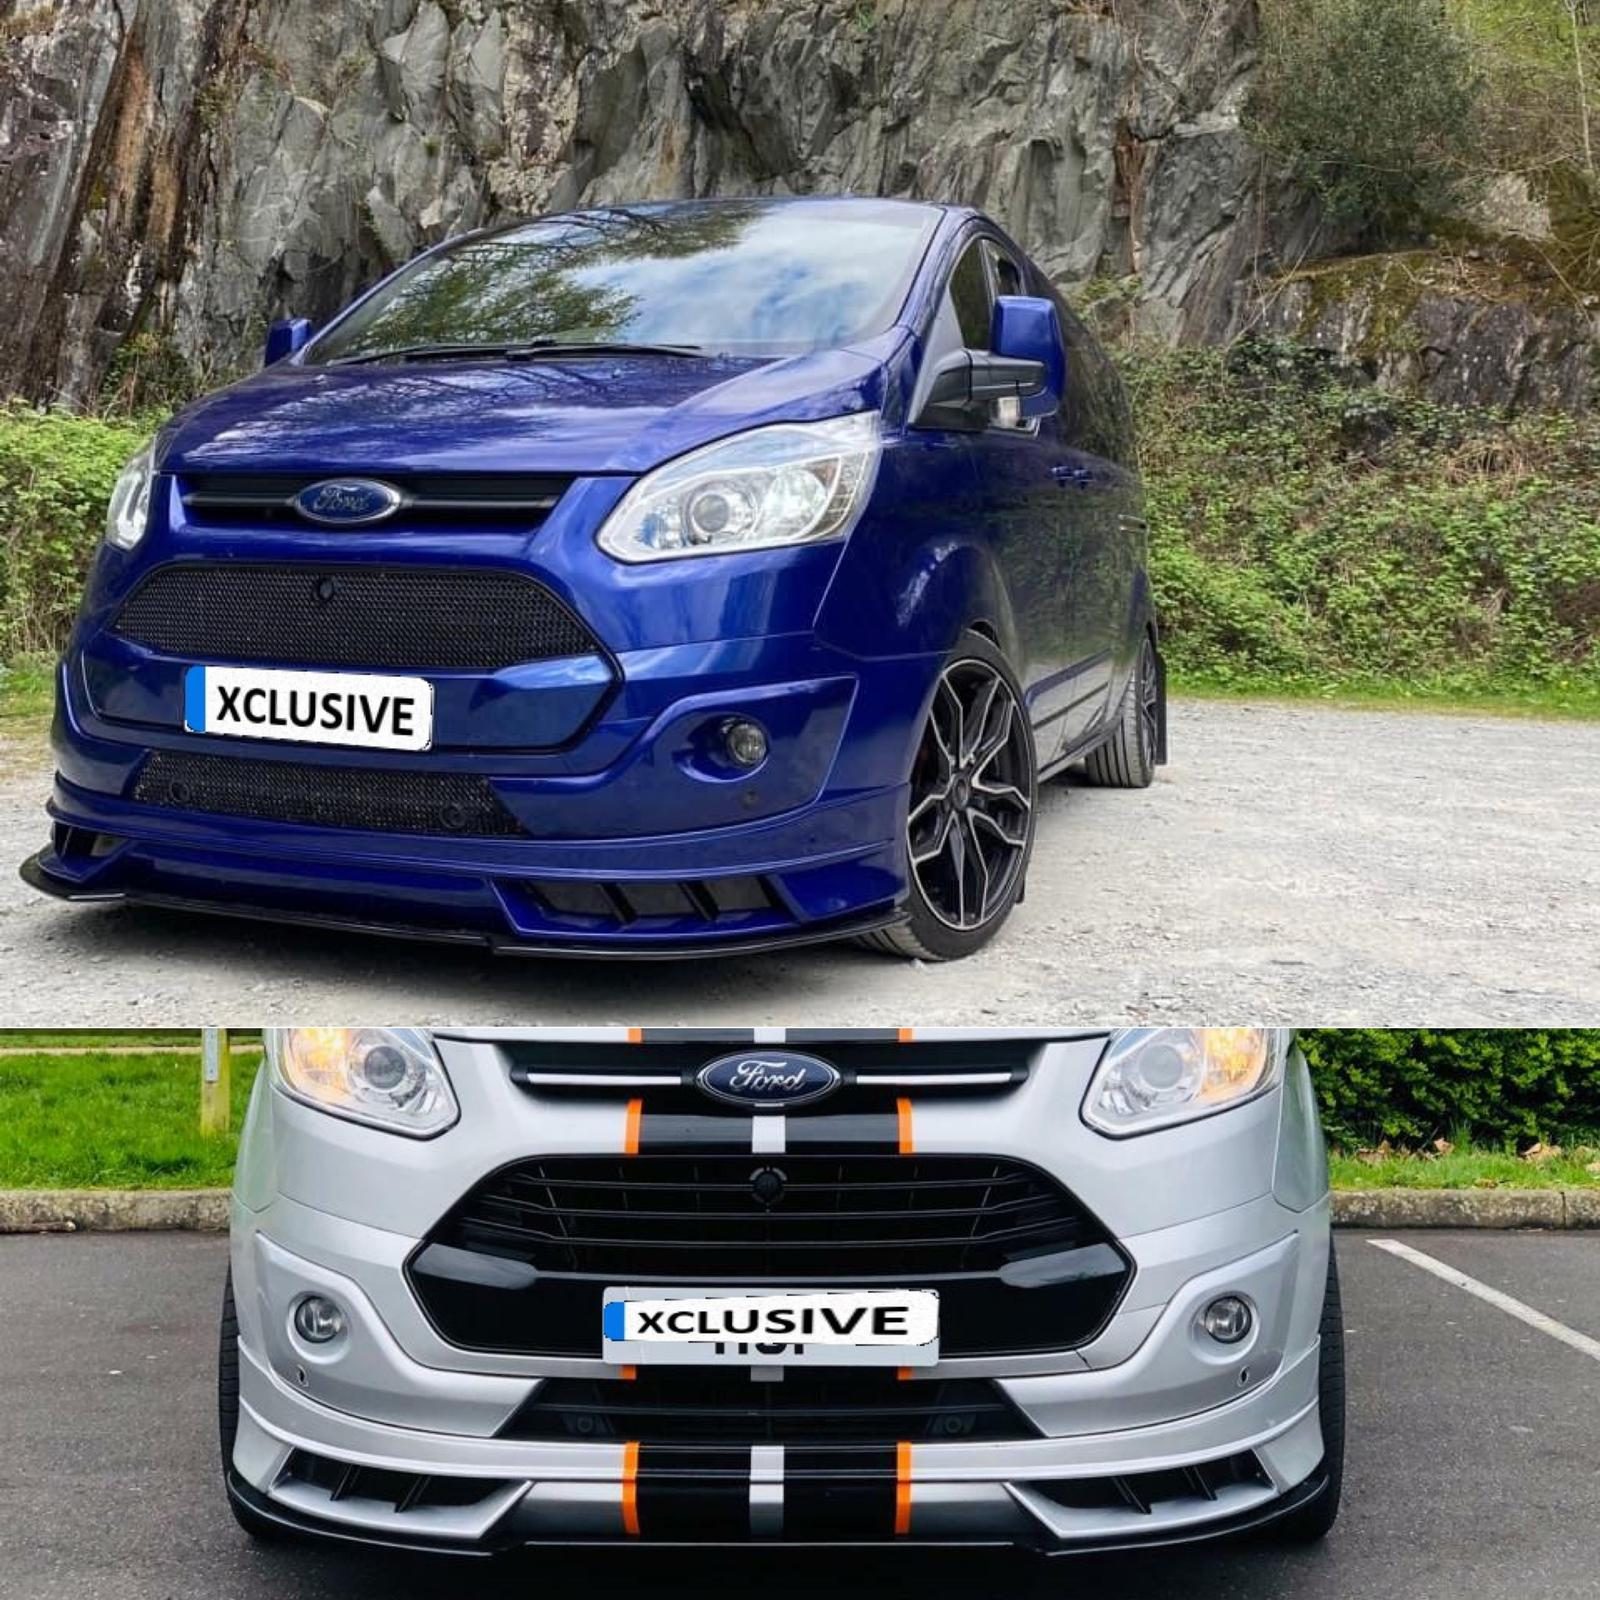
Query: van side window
x: 1007, y: 275
x: 969, y: 294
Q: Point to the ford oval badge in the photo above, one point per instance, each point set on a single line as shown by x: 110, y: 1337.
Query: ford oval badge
x: 348, y: 502
x: 768, y: 1080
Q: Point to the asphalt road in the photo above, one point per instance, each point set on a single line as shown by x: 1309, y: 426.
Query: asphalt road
x: 1473, y: 1469
x: 1294, y: 864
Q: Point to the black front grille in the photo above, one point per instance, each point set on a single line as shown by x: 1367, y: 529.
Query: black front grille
x: 709, y: 1407
x: 325, y: 797
x: 414, y: 619
x: 522, y: 1262
x: 266, y: 499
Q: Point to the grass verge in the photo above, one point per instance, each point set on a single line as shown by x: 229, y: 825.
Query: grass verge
x: 105, y: 1121
x: 26, y: 700
x: 1573, y: 1168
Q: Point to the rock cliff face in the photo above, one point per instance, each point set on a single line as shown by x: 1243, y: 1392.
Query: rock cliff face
x: 185, y: 170
x: 190, y: 168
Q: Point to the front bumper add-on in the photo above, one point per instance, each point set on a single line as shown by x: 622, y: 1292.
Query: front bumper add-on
x: 465, y: 1409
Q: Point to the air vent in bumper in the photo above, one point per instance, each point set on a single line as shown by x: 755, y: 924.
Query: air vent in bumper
x: 325, y: 797
x: 714, y: 1409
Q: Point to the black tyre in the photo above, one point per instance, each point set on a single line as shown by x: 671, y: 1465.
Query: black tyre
x: 228, y: 1413
x: 1127, y: 759
x: 970, y: 819
x: 1315, y: 1519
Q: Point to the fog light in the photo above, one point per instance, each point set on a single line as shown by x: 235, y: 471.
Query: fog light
x: 1228, y: 1319
x: 745, y: 742
x: 318, y: 1321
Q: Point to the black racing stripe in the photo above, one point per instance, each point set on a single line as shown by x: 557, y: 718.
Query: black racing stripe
x: 685, y: 1131
x: 697, y: 1036
x: 796, y: 1036
x: 840, y: 1494
x: 859, y: 1132
x: 693, y: 1493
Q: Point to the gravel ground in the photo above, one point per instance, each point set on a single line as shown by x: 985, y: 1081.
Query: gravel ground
x: 1471, y: 1467
x: 1299, y: 864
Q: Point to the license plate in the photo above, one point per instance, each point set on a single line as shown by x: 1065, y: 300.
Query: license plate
x: 797, y: 1327
x: 345, y: 708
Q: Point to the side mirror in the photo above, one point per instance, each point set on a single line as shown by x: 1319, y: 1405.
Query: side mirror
x: 1026, y: 328
x: 287, y: 338
x: 966, y: 384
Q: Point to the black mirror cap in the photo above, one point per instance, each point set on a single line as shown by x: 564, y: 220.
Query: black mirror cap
x: 966, y: 383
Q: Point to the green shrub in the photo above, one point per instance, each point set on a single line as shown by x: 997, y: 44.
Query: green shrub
x: 56, y: 473
x: 1310, y: 532
x: 1498, y: 1087
x: 1370, y: 105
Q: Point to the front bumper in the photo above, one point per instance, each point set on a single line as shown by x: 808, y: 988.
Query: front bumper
x: 645, y: 855
x: 1179, y: 1476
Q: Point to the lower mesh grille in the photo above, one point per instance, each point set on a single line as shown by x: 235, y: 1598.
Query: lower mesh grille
x: 325, y: 797
x: 716, y: 1408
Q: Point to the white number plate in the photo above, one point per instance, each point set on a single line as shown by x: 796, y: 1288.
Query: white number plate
x: 347, y: 708
x: 801, y: 1327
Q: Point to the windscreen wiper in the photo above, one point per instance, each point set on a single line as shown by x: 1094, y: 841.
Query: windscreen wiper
x: 533, y: 349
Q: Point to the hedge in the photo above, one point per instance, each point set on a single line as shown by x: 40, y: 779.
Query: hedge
x: 1494, y: 1087
x: 56, y: 473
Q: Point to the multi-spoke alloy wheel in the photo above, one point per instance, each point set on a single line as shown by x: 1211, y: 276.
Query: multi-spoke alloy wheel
x: 971, y: 815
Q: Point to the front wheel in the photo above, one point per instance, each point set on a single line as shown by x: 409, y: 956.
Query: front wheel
x: 970, y: 817
x: 258, y: 1527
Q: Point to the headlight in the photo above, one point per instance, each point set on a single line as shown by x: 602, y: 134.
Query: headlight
x: 389, y: 1077
x: 129, y: 512
x: 1153, y: 1077
x: 794, y: 483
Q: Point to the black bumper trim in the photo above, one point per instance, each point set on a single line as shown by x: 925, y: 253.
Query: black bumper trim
x: 36, y: 875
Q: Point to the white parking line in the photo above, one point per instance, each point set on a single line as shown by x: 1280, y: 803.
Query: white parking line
x: 1494, y: 1297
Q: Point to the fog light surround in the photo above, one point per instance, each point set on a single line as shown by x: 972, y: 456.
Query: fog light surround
x: 1229, y: 1319
x: 744, y: 743
x: 318, y: 1320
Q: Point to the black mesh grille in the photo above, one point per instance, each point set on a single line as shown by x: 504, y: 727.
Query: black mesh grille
x: 415, y: 619
x: 1018, y: 1263
x: 712, y: 1407
x: 327, y: 797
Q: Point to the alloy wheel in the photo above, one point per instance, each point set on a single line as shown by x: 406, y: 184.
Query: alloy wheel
x: 1149, y: 692
x: 971, y: 810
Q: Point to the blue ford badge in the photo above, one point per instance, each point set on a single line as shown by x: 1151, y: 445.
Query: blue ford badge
x: 768, y: 1080
x: 348, y: 502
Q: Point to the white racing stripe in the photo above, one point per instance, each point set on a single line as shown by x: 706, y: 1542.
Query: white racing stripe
x: 1494, y: 1297
x: 769, y: 1134
x: 766, y: 1490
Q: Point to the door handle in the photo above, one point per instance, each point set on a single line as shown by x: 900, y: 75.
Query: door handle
x: 1081, y: 477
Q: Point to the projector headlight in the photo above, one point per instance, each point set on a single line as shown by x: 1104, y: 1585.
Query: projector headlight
x: 128, y: 515
x: 1154, y: 1077
x: 387, y: 1077
x: 794, y: 483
